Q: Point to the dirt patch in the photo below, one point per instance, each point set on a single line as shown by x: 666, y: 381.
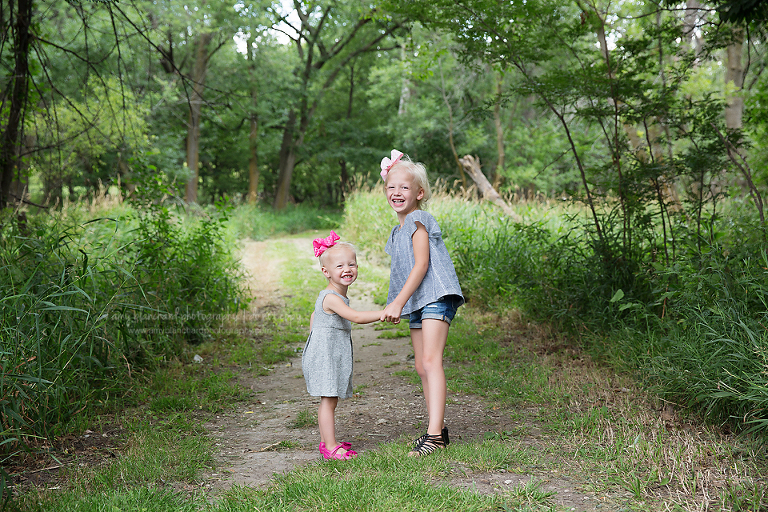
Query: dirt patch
x: 258, y: 440
x: 44, y: 465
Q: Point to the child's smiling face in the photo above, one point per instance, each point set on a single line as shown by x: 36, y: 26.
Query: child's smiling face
x: 340, y: 266
x: 402, y: 195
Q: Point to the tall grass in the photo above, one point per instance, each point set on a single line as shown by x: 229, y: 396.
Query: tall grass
x: 87, y: 303
x: 710, y: 351
x: 259, y: 222
x: 694, y: 330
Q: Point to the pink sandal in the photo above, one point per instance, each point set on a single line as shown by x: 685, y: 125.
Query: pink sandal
x: 349, y: 454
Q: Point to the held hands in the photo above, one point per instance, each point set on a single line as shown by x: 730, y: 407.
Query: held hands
x: 392, y: 313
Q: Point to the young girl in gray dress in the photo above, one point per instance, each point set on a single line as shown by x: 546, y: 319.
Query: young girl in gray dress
x: 327, y: 357
x: 423, y: 287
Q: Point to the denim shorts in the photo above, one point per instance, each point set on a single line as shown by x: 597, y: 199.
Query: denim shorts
x: 443, y: 309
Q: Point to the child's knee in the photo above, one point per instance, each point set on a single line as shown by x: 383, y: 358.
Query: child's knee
x: 430, y: 365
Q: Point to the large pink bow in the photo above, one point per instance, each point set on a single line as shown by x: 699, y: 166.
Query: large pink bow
x: 387, y: 163
x: 322, y: 244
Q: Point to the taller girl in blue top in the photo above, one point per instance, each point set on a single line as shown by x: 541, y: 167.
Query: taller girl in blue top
x: 423, y: 287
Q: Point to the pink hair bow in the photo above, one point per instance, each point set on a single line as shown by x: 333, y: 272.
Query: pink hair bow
x: 323, y: 244
x: 387, y: 163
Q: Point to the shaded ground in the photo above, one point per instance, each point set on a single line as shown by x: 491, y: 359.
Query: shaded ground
x: 259, y: 438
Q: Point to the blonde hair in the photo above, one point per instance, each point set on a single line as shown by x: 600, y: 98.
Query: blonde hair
x: 419, y: 175
x: 346, y: 245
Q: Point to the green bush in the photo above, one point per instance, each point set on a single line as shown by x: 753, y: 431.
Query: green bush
x: 84, y: 304
x: 694, y: 329
x: 710, y: 349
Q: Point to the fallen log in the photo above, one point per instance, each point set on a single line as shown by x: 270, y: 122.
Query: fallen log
x: 472, y: 167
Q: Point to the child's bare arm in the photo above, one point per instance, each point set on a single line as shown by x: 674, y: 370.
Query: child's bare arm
x: 334, y: 304
x: 311, y: 319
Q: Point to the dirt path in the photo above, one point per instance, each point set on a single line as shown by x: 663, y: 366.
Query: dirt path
x: 388, y: 408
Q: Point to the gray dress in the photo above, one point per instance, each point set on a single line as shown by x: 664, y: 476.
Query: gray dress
x: 327, y: 357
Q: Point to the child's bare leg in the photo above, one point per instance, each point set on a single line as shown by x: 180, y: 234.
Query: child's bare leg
x: 326, y: 420
x: 434, y: 334
x: 418, y: 357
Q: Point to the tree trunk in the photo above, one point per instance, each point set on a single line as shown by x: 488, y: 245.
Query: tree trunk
x: 343, y: 161
x: 448, y: 106
x: 499, y: 133
x: 124, y: 175
x: 195, y: 107
x: 253, y: 137
x: 734, y: 80
x: 19, y: 87
x: 287, y: 161
x: 692, y: 20
x: 313, y: 56
x: 487, y: 192
x: 405, y: 88
x: 253, y: 162
x: 20, y: 184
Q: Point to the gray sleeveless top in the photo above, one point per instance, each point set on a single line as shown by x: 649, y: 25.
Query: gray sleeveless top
x: 440, y: 279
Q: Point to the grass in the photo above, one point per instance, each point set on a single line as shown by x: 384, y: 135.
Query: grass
x: 260, y: 222
x: 159, y: 451
x: 692, y: 328
x: 571, y: 418
x: 600, y: 428
x: 92, y: 298
x: 381, y: 480
x: 305, y: 418
x: 394, y: 334
x: 595, y: 429
x: 186, y: 388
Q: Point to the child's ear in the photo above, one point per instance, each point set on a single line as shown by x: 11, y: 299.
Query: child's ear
x: 325, y: 272
x: 420, y: 194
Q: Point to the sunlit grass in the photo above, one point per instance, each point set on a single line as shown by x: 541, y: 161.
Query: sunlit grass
x: 160, y: 451
x: 381, y: 480
x: 259, y: 222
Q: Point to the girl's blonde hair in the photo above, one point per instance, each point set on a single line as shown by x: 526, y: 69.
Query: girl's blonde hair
x: 419, y: 175
x: 346, y: 245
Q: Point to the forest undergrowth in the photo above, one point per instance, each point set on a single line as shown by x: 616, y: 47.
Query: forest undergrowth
x: 69, y: 275
x: 693, y: 330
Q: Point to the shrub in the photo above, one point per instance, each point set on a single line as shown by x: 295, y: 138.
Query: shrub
x: 84, y: 305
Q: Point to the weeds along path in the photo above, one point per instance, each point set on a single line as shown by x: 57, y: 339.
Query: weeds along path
x: 269, y: 435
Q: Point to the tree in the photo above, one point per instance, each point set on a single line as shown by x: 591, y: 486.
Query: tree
x: 193, y: 32
x: 327, y: 37
x: 612, y: 76
x: 253, y: 134
x: 59, y: 57
x: 17, y: 89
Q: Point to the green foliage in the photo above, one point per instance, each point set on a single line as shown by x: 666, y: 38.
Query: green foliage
x: 191, y: 265
x: 382, y: 480
x: 710, y: 349
x: 693, y: 329
x: 259, y: 222
x: 115, y: 121
x: 85, y: 304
